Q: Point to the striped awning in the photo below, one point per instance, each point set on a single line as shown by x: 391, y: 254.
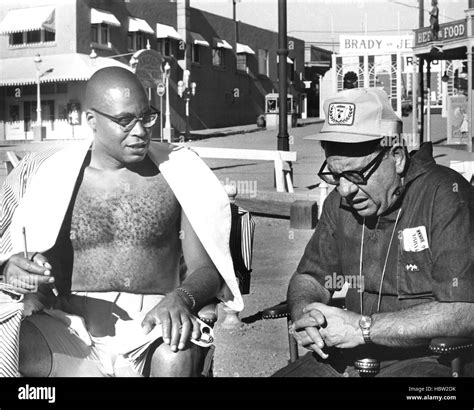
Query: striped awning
x: 220, y: 43
x: 136, y: 24
x: 65, y: 67
x: 102, y: 16
x: 30, y: 19
x: 164, y: 31
x: 199, y: 40
x: 243, y: 49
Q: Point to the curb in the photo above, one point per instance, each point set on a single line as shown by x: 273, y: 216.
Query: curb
x: 237, y: 131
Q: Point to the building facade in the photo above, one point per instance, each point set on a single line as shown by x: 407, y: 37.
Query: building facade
x: 59, y: 44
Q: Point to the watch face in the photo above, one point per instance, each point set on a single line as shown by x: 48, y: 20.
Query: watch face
x: 365, y: 322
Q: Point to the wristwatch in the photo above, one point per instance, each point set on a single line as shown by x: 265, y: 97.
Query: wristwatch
x: 364, y: 323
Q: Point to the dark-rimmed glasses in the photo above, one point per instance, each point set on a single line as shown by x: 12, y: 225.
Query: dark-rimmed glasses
x: 356, y: 177
x: 127, y: 122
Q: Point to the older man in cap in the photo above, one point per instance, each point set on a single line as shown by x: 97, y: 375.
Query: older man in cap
x: 400, y: 229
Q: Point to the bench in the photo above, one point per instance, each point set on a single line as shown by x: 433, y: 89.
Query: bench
x: 300, y: 208
x: 281, y: 159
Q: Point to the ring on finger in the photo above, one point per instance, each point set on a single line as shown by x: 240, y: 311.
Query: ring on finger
x: 33, y: 257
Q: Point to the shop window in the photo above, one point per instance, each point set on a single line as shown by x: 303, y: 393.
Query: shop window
x: 32, y: 37
x: 47, y: 113
x: 242, y: 62
x: 49, y: 36
x: 218, y: 57
x: 195, y: 53
x: 16, y: 38
x: 100, y: 33
x: 14, y: 113
x: 291, y: 70
x: 263, y: 62
x: 94, y: 33
x: 165, y: 46
x: 140, y: 40
x: 136, y: 41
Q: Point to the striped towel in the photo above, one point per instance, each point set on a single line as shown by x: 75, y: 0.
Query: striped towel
x: 11, y: 310
x: 241, y: 245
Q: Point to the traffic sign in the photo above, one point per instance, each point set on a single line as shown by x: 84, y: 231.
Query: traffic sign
x: 160, y: 89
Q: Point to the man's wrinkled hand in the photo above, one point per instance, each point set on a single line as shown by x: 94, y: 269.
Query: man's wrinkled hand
x: 306, y: 331
x: 342, y: 328
x: 26, y: 275
x: 177, y: 322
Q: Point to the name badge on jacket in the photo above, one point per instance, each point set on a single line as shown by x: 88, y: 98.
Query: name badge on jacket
x: 414, y: 239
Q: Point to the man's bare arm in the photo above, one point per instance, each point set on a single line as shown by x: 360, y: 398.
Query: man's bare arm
x: 418, y: 324
x: 414, y: 326
x: 203, y: 280
x: 175, y: 312
x: 303, y: 290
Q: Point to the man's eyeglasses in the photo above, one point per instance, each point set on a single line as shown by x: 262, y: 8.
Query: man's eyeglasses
x: 127, y: 122
x: 356, y: 177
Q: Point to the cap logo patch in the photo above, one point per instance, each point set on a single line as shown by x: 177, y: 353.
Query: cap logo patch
x: 341, y: 114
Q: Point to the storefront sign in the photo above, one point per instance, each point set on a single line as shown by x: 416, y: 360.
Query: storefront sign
x: 374, y: 45
x: 147, y: 65
x: 448, y: 31
x: 457, y: 124
x: 408, y: 65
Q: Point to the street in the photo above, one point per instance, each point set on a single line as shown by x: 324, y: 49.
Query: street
x: 309, y: 160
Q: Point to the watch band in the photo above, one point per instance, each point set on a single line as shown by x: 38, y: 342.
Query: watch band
x: 365, y: 323
x: 366, y: 335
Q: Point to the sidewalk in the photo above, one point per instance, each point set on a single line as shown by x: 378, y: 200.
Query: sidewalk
x: 243, y: 129
x: 309, y: 154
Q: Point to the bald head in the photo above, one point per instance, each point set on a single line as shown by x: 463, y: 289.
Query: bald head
x: 111, y: 84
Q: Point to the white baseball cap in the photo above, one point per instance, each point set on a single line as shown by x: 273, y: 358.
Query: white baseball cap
x: 358, y: 115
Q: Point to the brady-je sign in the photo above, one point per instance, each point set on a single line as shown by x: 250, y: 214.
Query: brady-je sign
x: 374, y: 45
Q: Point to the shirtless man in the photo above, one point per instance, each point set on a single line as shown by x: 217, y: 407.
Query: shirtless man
x: 117, y: 254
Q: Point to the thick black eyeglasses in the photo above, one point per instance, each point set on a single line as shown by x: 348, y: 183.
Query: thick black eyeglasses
x: 356, y: 177
x: 127, y: 122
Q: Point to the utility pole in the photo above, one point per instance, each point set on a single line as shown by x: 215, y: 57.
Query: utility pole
x: 421, y: 88
x: 283, y: 140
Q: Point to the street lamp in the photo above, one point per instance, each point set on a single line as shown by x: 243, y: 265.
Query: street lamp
x: 39, y: 121
x: 186, y: 90
x: 167, y: 132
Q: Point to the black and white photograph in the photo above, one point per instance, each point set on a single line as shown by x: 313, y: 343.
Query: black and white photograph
x: 262, y: 203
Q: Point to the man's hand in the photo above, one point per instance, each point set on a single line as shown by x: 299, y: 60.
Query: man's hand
x: 306, y: 331
x: 32, y: 304
x: 342, y: 326
x: 27, y: 275
x: 177, y: 322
